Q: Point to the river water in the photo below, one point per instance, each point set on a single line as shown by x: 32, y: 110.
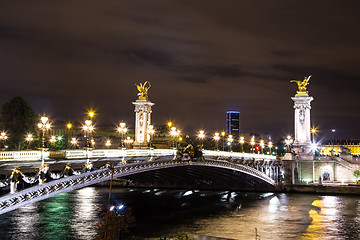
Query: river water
x: 158, y: 213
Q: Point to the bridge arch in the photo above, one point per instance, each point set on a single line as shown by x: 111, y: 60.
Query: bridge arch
x: 40, y: 192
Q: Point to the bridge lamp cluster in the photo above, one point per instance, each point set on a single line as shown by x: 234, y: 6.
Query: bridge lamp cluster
x: 91, y: 113
x: 73, y: 141
x: 29, y: 138
x: 288, y: 142
x: 122, y: 128
x: 151, y: 130
x: 108, y: 143
x: 44, y: 125
x: 52, y: 139
x: 252, y: 142
x: 174, y: 132
x: 201, y: 134
x: 3, y: 136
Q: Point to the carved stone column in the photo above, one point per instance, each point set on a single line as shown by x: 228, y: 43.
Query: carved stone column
x: 142, y: 123
x: 302, y: 141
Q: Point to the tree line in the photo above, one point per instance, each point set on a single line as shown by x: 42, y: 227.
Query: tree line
x: 17, y: 119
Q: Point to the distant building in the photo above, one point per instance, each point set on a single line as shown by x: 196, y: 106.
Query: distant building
x: 338, y: 147
x: 233, y: 123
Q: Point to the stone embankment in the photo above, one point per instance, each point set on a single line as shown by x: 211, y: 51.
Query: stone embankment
x: 350, y: 189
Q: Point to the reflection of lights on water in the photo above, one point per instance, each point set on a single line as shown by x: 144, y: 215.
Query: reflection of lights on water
x: 274, y: 204
x: 85, y: 211
x: 26, y: 219
x: 265, y: 195
x: 187, y: 193
x: 327, y: 213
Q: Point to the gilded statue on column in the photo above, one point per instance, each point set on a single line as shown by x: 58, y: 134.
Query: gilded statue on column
x: 143, y: 90
x: 302, y: 85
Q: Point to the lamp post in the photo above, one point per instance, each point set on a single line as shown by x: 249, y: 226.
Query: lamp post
x: 128, y: 141
x: 3, y: 137
x: 313, y: 132
x: 73, y: 142
x: 201, y: 135
x: 223, y: 137
x: 52, y: 140
x: 69, y: 126
x: 333, y: 140
x: 217, y: 138
x: 262, y: 145
x: 252, y: 142
x: 29, y: 138
x: 173, y: 133
x: 270, y: 145
x: 122, y: 130
x: 88, y: 128
x: 43, y: 125
x: 151, y: 131
x: 230, y: 140
x: 108, y: 143
x: 242, y: 141
x: 288, y: 142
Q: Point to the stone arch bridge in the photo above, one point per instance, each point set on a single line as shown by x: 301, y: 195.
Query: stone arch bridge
x: 215, y: 170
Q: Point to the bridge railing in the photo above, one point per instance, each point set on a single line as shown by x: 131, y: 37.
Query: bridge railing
x: 113, y: 153
x: 34, y: 155
x: 20, y: 155
x: 224, y: 154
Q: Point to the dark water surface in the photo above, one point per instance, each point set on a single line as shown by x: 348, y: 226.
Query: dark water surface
x: 74, y: 215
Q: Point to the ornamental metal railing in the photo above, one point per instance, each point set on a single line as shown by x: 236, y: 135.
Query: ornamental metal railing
x: 116, y: 153
x: 39, y: 192
x: 239, y: 155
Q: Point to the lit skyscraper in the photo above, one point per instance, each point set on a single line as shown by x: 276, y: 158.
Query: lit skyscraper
x: 233, y: 122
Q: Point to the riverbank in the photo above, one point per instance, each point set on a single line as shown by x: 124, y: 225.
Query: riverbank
x: 341, y: 189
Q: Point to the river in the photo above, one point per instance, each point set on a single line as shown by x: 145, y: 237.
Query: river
x: 158, y: 213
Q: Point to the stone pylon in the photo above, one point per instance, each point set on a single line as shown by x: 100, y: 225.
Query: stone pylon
x: 302, y: 141
x: 142, y: 123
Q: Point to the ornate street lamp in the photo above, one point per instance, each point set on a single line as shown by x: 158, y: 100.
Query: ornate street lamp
x: 73, y: 142
x: 201, y: 135
x: 270, y: 145
x: 223, y: 137
x: 29, y: 138
x: 122, y: 130
x: 242, y: 141
x: 151, y: 131
x: 128, y: 141
x: 69, y: 127
x: 43, y: 125
x: 230, y: 140
x: 88, y: 128
x: 262, y: 145
x: 217, y: 138
x: 108, y: 143
x: 3, y: 137
x: 52, y: 140
x: 288, y: 142
x: 174, y: 133
x: 252, y: 142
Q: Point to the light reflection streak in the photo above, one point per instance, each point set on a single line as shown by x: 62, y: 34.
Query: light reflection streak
x: 324, y: 220
x: 85, y: 212
x: 25, y: 219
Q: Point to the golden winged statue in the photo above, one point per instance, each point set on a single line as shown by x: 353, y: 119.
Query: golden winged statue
x: 143, y: 90
x: 302, y: 84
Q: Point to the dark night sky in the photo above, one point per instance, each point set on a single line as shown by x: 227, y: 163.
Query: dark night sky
x: 201, y: 57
